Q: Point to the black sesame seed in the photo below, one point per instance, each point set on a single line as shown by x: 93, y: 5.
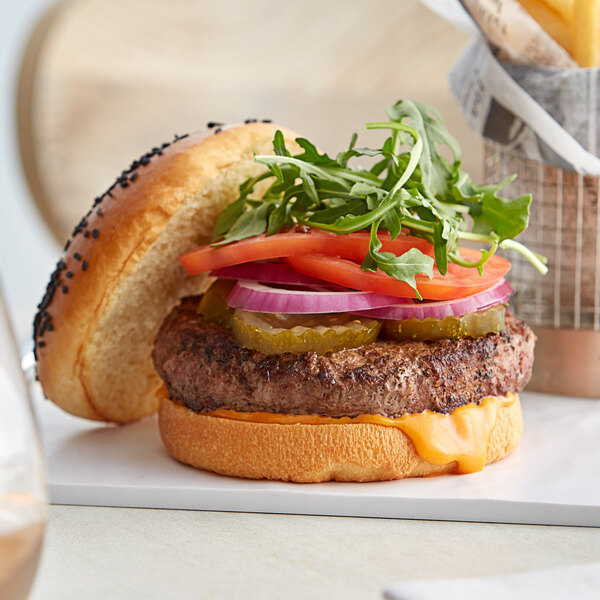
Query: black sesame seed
x: 86, y: 233
x: 41, y: 344
x: 77, y: 256
x: 218, y: 130
x: 99, y: 212
x: 84, y: 265
x: 267, y: 121
x: 134, y: 177
x: 67, y: 245
x: 64, y: 289
x: 69, y: 274
x: 95, y: 233
x: 212, y: 124
x: 250, y: 121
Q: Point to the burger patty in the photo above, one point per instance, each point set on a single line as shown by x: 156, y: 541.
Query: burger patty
x: 204, y: 367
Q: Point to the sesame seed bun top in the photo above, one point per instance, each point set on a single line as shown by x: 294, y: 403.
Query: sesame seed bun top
x: 120, y: 275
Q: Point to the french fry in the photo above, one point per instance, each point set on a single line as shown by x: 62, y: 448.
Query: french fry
x: 551, y: 21
x: 563, y: 7
x: 586, y: 32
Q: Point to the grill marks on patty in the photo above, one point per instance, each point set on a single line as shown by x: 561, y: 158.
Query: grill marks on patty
x: 205, y: 368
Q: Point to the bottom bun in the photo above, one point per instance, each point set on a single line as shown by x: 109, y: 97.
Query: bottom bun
x: 311, y: 453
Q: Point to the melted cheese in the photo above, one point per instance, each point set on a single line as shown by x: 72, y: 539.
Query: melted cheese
x: 460, y: 436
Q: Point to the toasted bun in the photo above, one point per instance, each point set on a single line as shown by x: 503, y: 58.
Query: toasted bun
x: 311, y: 453
x: 120, y: 275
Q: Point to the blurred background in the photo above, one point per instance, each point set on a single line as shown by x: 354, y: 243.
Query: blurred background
x: 89, y: 85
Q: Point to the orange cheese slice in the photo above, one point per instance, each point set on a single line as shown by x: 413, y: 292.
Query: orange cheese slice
x: 460, y: 436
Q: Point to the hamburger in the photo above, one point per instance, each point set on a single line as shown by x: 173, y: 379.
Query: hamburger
x: 291, y: 317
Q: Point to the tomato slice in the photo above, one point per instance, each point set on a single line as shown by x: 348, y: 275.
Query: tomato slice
x: 457, y: 283
x: 334, y: 258
x: 352, y: 245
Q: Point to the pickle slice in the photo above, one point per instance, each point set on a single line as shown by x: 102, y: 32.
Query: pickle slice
x: 279, y: 333
x: 476, y: 324
x: 213, y: 307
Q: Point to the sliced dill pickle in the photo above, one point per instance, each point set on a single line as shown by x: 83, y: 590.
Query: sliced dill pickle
x: 476, y: 324
x: 278, y: 333
x: 213, y: 307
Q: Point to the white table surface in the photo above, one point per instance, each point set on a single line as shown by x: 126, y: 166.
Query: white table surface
x: 116, y: 553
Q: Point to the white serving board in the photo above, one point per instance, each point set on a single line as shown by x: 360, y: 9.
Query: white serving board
x: 553, y: 477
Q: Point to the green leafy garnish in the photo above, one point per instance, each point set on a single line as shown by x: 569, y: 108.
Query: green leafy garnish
x: 411, y: 188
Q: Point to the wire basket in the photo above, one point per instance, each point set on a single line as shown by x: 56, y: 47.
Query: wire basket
x: 563, y: 306
x: 565, y: 227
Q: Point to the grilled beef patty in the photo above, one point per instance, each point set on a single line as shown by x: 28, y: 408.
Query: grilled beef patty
x: 205, y: 368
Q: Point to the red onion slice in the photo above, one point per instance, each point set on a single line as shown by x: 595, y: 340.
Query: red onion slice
x: 258, y: 297
x: 267, y: 272
x: 409, y: 309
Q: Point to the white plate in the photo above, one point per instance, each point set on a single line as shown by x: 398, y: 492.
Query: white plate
x: 552, y: 478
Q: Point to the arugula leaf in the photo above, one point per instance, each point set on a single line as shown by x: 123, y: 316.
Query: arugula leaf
x: 279, y: 217
x: 393, y: 222
x: 229, y: 216
x: 358, y: 206
x: 410, y: 188
x: 250, y: 223
x: 435, y: 171
x: 492, y: 214
x: 440, y: 246
x: 352, y: 223
x: 346, y: 155
x: 273, y: 162
x: 414, y: 155
x: 311, y: 154
x: 403, y: 267
x: 506, y: 218
x: 279, y: 144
